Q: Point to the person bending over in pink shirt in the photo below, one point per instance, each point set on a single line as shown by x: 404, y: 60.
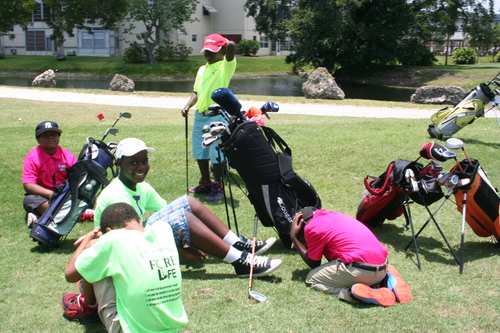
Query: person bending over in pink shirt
x: 357, y: 270
x: 44, y: 168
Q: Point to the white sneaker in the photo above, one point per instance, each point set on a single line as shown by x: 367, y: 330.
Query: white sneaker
x: 30, y: 219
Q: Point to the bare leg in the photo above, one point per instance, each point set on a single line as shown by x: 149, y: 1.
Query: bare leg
x: 207, y: 217
x: 204, y: 238
x: 42, y: 208
x: 218, y: 170
x: 88, y: 291
x: 204, y: 166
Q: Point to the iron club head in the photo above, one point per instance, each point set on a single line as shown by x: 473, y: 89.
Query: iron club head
x: 256, y: 296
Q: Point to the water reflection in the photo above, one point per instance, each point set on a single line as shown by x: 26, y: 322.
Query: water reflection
x: 267, y: 86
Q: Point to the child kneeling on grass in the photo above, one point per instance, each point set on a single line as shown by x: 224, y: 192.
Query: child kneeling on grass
x: 357, y: 270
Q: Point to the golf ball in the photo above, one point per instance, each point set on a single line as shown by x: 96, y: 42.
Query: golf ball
x: 89, y: 187
x: 93, y: 182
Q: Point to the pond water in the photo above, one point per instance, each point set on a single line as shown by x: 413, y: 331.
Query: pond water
x: 267, y: 86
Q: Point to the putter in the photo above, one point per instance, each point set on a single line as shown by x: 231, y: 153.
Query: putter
x: 253, y: 294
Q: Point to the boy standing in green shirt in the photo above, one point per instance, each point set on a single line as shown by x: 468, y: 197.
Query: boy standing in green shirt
x: 216, y: 73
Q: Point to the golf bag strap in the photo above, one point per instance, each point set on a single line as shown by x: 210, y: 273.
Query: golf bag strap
x: 275, y: 140
x: 383, y: 188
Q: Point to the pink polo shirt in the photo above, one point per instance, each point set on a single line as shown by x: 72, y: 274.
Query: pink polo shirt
x: 40, y: 168
x: 338, y: 236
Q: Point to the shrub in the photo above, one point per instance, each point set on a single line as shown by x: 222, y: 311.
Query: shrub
x: 412, y: 52
x: 247, y: 47
x: 133, y: 54
x: 497, y: 57
x: 173, y: 53
x: 464, y: 56
x: 182, y: 52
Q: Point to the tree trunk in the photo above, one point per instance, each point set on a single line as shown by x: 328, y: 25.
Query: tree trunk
x: 60, y: 49
x: 2, y: 55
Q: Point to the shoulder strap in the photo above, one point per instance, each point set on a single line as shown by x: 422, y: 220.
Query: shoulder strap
x: 275, y: 140
x: 383, y: 188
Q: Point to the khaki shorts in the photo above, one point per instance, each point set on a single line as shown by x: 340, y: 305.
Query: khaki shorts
x: 106, y: 298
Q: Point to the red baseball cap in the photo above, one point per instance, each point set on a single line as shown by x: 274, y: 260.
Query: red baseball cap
x: 214, y: 43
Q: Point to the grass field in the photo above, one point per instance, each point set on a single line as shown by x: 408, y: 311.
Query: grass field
x: 334, y: 154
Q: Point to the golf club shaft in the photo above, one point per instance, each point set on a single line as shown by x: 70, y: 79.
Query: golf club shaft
x: 252, y: 263
x: 187, y: 169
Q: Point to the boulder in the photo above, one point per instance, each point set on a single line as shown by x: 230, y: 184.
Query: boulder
x: 321, y: 85
x: 438, y: 95
x: 121, y: 83
x: 46, y: 80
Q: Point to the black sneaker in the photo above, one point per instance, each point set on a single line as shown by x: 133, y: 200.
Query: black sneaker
x: 201, y: 188
x: 263, y: 266
x: 245, y: 244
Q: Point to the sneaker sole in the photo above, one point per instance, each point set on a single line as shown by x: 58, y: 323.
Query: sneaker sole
x: 401, y: 289
x: 266, y: 272
x: 270, y: 242
x: 366, y: 294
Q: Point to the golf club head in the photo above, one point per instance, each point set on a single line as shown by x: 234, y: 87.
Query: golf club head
x: 218, y: 130
x: 454, y: 143
x: 208, y: 140
x: 205, y: 129
x: 125, y: 114
x: 256, y: 296
x: 213, y: 110
x: 226, y: 99
x: 448, y: 154
x: 112, y: 131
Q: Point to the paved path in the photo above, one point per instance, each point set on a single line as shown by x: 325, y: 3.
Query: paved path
x: 178, y: 103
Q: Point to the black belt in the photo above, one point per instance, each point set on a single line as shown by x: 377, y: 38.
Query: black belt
x: 373, y: 268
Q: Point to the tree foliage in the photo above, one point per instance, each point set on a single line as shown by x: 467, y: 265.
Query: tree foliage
x: 347, y: 36
x: 159, y: 18
x: 479, y: 27
x: 63, y: 16
x: 12, y: 13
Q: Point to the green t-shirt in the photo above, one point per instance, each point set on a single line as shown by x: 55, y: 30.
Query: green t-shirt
x: 211, y: 77
x: 143, y: 199
x: 146, y: 275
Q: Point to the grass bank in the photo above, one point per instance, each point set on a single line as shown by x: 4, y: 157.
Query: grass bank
x: 334, y: 154
x: 466, y: 76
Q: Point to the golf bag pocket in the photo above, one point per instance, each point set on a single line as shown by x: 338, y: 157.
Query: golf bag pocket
x: 69, y: 201
x: 482, y: 201
x: 381, y: 200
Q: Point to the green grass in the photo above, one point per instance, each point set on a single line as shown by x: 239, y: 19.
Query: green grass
x: 334, y: 154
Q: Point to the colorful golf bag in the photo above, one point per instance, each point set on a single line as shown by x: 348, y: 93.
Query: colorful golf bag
x: 85, y: 179
x: 449, y: 121
x: 264, y: 162
x: 482, y: 201
x: 385, y: 195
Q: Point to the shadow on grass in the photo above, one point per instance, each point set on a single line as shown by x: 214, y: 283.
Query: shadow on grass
x: 433, y: 249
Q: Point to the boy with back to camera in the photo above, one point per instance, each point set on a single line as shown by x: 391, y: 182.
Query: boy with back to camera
x: 216, y: 73
x: 357, y: 270
x: 44, y: 168
x: 144, y: 266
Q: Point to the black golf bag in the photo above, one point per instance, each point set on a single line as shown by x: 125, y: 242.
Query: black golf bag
x: 264, y: 162
x: 85, y: 179
x: 449, y: 121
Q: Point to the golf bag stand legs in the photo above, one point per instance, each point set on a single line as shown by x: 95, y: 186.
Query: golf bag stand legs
x: 431, y: 218
x: 409, y: 221
x: 462, y: 241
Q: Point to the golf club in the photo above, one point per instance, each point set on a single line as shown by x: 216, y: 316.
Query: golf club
x: 269, y: 107
x: 454, y: 143
x: 208, y: 140
x: 253, y: 294
x: 123, y: 114
x: 187, y: 159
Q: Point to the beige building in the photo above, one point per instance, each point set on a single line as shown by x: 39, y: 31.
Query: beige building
x: 225, y: 17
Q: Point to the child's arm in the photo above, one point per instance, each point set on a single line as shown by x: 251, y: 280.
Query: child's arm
x: 72, y: 275
x: 230, y: 50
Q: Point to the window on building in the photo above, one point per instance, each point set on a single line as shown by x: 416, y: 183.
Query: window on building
x: 35, y: 40
x: 96, y: 41
x: 40, y: 12
x: 264, y: 42
x: 286, y: 45
x: 193, y: 38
